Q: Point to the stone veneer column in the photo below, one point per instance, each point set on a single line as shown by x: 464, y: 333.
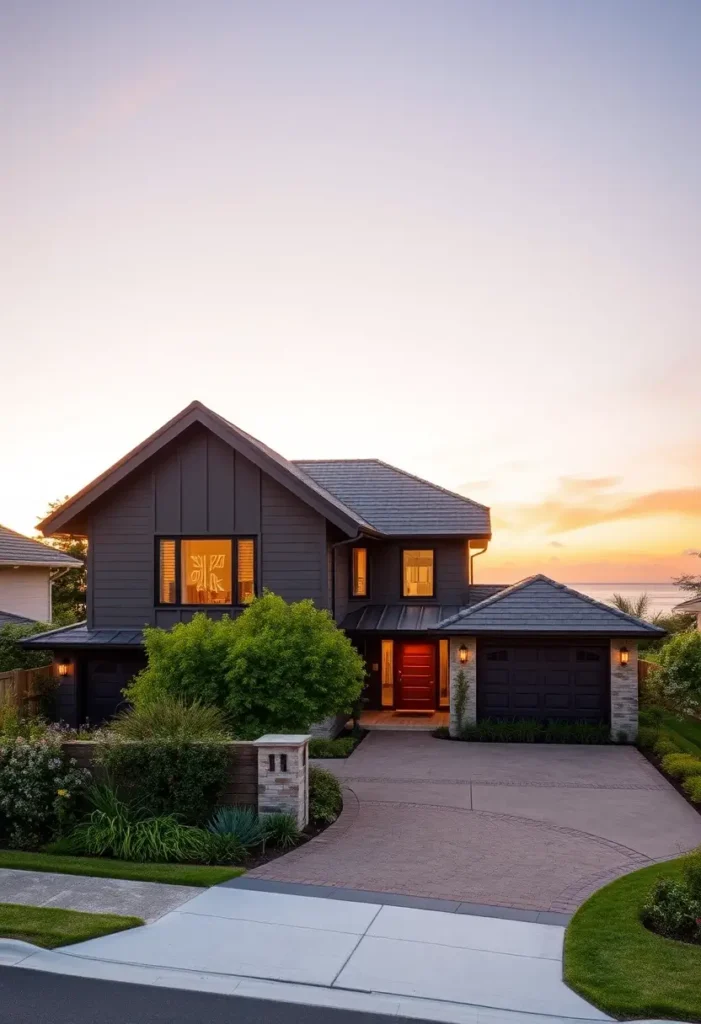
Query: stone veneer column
x: 624, y: 691
x: 470, y: 670
x: 283, y: 776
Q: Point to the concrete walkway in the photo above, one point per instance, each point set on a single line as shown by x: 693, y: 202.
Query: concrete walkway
x: 356, y: 955
x: 538, y: 828
x: 147, y: 900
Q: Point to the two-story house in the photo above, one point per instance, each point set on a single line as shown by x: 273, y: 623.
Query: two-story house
x: 201, y: 517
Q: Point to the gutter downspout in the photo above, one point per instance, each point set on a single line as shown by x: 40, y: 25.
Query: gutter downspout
x: 477, y: 553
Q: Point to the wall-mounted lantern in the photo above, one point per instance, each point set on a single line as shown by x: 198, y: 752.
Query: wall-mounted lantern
x: 463, y: 654
x: 623, y: 655
x: 64, y: 667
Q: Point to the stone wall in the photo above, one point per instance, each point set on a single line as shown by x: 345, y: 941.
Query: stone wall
x: 470, y: 670
x: 624, y: 691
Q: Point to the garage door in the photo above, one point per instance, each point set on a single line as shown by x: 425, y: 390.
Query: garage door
x: 543, y: 680
x: 106, y: 678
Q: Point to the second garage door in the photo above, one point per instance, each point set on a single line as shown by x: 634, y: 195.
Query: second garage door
x: 545, y: 680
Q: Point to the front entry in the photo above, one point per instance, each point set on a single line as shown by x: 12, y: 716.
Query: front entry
x: 415, y: 688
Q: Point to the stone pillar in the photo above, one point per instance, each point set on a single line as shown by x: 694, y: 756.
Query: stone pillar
x: 283, y: 776
x: 470, y: 669
x: 624, y: 691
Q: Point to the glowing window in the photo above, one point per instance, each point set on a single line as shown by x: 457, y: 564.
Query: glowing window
x: 245, y: 573
x: 443, y: 673
x: 387, y: 673
x: 205, y: 571
x: 360, y: 572
x: 167, y: 578
x: 417, y: 573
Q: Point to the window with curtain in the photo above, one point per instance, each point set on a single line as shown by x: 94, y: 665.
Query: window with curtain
x: 202, y: 570
x: 387, y: 673
x: 417, y: 573
x: 360, y: 572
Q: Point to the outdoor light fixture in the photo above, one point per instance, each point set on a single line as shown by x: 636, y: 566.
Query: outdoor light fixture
x: 463, y: 654
x: 623, y: 654
x: 64, y: 667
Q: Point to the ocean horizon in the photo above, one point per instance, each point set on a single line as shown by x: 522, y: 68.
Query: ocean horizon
x: 663, y: 596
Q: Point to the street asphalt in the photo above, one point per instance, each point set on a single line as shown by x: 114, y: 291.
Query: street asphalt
x: 35, y: 997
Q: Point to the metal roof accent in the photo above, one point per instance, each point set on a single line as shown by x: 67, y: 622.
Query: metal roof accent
x: 16, y: 549
x: 538, y: 604
x: 410, y: 617
x: 81, y: 636
x: 396, y: 502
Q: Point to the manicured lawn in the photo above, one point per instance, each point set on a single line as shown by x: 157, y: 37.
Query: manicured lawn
x: 616, y: 963
x: 50, y: 927
x: 103, y: 867
x: 685, y: 731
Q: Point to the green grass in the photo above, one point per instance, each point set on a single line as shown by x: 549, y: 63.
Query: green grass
x: 103, y: 867
x: 50, y: 927
x: 616, y: 963
x: 686, y: 732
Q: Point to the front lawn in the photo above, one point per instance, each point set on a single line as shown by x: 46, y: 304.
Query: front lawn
x: 50, y: 927
x: 685, y: 731
x: 612, y: 960
x: 104, y: 867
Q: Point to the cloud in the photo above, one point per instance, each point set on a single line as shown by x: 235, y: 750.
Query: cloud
x: 580, y: 503
x: 555, y: 544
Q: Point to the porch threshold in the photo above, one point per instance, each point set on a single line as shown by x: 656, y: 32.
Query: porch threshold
x: 396, y: 721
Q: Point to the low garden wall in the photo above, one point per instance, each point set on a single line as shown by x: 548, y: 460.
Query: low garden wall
x: 241, y: 787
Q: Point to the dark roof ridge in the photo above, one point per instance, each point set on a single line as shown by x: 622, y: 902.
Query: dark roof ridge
x: 526, y: 582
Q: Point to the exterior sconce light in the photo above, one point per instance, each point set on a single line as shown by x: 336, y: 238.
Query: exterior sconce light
x: 623, y: 655
x: 463, y: 654
x: 64, y: 667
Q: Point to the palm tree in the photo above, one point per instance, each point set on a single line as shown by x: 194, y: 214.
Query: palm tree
x: 637, y: 606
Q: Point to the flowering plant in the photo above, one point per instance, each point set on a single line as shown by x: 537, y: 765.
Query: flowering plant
x: 39, y: 790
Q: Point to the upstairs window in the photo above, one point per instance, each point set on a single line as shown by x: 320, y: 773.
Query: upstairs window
x: 201, y: 570
x: 417, y: 573
x: 359, y: 577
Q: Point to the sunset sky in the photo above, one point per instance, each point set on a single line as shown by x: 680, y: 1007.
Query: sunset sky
x: 464, y: 237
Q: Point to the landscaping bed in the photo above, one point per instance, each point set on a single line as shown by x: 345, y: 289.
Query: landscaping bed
x: 340, y: 747
x: 50, y: 927
x: 672, y: 743
x: 621, y: 966
x: 490, y: 730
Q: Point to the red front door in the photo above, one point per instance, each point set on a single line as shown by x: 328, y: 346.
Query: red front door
x: 416, y: 677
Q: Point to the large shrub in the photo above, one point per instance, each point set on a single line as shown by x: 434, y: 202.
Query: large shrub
x: 325, y: 799
x: 40, y: 791
x: 678, y: 674
x: 278, y: 667
x: 12, y: 655
x: 162, y: 778
x: 170, y: 718
x: 673, y: 908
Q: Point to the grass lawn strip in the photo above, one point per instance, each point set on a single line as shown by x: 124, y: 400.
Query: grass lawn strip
x: 102, y: 867
x: 612, y: 960
x: 685, y: 731
x: 50, y: 927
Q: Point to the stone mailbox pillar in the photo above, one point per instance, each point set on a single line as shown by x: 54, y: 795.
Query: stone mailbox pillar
x: 283, y: 776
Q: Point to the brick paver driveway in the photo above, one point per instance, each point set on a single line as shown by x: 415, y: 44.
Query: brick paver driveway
x: 531, y: 827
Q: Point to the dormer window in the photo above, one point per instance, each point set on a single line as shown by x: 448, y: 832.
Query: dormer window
x: 359, y: 572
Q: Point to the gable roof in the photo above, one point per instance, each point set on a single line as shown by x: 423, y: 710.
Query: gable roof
x: 285, y: 472
x: 9, y: 619
x: 692, y: 604
x: 540, y: 605
x: 16, y: 549
x: 396, y: 502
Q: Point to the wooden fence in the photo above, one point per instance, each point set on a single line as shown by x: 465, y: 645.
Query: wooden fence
x: 22, y: 687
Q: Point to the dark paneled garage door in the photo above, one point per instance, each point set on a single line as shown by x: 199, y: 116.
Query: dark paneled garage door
x: 543, y: 680
x: 106, y: 678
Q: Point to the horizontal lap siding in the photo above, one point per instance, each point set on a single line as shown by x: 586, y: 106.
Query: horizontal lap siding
x: 293, y: 545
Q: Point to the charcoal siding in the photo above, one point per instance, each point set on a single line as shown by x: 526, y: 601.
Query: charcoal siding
x: 293, y: 545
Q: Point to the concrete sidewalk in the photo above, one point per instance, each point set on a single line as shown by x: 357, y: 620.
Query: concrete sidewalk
x: 147, y: 900
x: 387, y: 959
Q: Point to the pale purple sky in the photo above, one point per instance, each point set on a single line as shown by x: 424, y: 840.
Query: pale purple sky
x: 461, y: 236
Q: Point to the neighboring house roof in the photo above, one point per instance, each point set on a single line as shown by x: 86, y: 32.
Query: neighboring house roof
x: 16, y: 549
x: 396, y: 502
x: 410, y: 616
x: 540, y: 605
x: 80, y: 636
x: 285, y: 472
x: 8, y: 619
x: 692, y: 605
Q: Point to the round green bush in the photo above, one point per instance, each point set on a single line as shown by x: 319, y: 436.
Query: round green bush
x: 325, y: 800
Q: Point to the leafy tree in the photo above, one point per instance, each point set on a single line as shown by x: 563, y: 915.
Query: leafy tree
x: 69, y: 589
x: 690, y: 582
x: 14, y: 656
x: 678, y: 674
x: 278, y: 667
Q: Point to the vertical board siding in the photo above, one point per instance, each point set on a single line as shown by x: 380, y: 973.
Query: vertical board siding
x: 193, y: 482
x: 220, y: 486
x: 247, y: 496
x: 293, y: 543
x: 167, y: 488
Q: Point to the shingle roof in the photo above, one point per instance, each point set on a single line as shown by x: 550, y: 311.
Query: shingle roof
x: 540, y: 605
x: 692, y: 604
x: 81, y: 636
x: 16, y: 549
x: 8, y: 619
x: 396, y: 502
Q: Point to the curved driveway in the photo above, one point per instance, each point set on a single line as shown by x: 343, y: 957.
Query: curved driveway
x: 513, y: 825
